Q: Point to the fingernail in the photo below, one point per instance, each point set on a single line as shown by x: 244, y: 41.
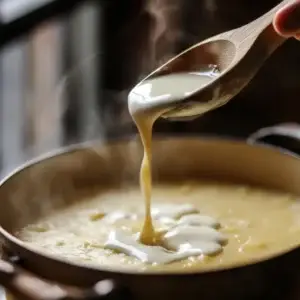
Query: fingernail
x: 297, y: 36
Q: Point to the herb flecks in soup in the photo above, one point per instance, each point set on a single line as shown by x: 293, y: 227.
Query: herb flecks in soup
x: 257, y: 223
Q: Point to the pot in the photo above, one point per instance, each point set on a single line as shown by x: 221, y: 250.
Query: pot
x: 59, y: 179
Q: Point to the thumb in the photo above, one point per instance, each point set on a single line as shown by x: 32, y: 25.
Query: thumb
x: 287, y: 20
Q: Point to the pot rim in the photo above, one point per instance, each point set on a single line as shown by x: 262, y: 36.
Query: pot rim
x: 11, y: 239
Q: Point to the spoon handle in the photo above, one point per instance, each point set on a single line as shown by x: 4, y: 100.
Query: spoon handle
x: 260, y: 32
x: 267, y: 18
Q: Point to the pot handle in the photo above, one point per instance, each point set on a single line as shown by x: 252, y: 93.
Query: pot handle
x: 26, y: 286
x: 284, y: 137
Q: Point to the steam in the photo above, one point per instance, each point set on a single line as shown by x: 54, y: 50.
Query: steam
x: 210, y: 6
x: 164, y: 31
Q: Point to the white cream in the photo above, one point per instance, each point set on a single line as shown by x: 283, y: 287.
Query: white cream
x: 192, y: 235
x: 122, y: 241
x: 163, y: 93
x: 188, y: 234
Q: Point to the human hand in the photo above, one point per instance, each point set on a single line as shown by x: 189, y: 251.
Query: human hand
x: 287, y: 20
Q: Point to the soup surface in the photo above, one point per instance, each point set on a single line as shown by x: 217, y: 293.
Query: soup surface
x: 257, y: 223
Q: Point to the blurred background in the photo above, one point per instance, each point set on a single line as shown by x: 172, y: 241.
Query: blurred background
x: 67, y: 79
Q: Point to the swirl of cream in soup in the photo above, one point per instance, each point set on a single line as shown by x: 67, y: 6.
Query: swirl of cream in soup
x: 188, y: 234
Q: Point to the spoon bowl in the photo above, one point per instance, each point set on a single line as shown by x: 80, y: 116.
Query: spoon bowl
x: 220, y: 53
x: 237, y: 54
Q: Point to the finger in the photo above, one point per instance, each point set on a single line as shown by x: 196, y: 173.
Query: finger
x: 287, y: 20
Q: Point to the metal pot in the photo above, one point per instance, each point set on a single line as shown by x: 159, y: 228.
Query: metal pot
x: 67, y: 176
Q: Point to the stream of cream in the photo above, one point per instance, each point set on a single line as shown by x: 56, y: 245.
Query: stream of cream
x: 189, y: 235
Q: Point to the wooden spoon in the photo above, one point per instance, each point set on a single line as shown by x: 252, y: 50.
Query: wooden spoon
x: 238, y: 55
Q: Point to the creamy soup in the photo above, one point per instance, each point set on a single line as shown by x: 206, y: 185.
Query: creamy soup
x: 182, y: 227
x: 250, y: 224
